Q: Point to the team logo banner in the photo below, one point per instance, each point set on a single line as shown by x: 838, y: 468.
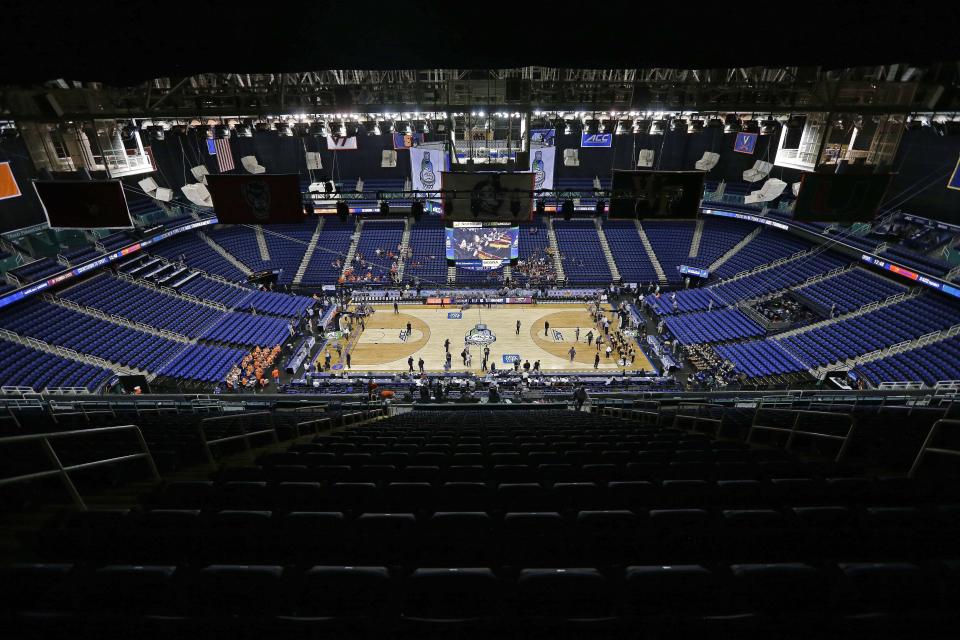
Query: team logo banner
x: 406, y: 140
x: 425, y: 168
x: 256, y: 199
x: 541, y: 165
x: 596, y: 139
x: 342, y: 143
x: 745, y: 143
x: 545, y: 137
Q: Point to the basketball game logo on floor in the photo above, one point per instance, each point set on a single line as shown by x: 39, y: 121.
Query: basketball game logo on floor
x: 454, y: 315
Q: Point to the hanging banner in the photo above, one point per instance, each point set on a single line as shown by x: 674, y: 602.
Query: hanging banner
x: 544, y: 137
x: 541, y: 165
x: 596, y: 139
x: 955, y: 178
x: 406, y: 140
x: 8, y: 183
x: 425, y: 168
x: 745, y: 143
x: 342, y: 143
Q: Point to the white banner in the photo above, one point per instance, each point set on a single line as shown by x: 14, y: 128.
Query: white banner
x: 425, y: 168
x: 342, y: 143
x: 541, y: 165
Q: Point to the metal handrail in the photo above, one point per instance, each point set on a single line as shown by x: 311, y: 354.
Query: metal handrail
x: 925, y: 448
x: 795, y: 429
x: 245, y: 436
x: 64, y: 471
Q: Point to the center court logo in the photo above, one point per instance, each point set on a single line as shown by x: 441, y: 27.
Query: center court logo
x: 480, y: 335
x: 454, y: 315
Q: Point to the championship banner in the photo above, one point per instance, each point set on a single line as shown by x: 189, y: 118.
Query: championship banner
x: 541, y: 165
x: 487, y: 196
x: 406, y: 140
x: 8, y: 183
x: 342, y: 143
x: 425, y: 168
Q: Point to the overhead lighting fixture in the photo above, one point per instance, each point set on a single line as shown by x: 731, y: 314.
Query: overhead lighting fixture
x: 591, y: 126
x: 751, y: 126
x: 624, y: 127
x: 768, y: 127
x: 658, y: 127
x: 696, y: 126
x: 679, y: 125
x: 732, y: 126
x: 714, y: 123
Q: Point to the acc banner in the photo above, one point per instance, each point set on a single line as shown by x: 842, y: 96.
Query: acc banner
x: 342, y: 143
x: 541, y: 165
x: 596, y: 139
x: 425, y: 168
x: 745, y: 143
x: 953, y: 184
x: 8, y: 183
x: 406, y: 140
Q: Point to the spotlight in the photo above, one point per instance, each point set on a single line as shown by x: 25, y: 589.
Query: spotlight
x: 642, y: 126
x: 242, y: 131
x: 658, y: 127
x: 283, y: 129
x: 679, y: 125
x: 732, y: 126
x: 767, y: 127
x: 221, y: 131
x: 336, y: 129
x: 317, y: 129
x: 696, y: 126
x: 351, y: 129
x: 566, y: 208
x: 592, y: 126
x: 751, y: 126
x: 714, y: 123
x: 624, y: 126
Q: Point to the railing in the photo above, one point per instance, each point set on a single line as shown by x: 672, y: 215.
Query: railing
x: 63, y: 472
x: 697, y: 418
x: 926, y: 447
x: 244, y: 436
x: 795, y: 429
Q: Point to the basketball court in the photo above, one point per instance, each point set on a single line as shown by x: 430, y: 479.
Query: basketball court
x: 384, y: 345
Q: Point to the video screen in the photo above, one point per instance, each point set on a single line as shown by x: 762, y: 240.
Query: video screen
x: 482, y: 241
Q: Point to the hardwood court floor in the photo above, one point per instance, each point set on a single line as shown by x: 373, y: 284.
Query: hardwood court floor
x: 379, y: 347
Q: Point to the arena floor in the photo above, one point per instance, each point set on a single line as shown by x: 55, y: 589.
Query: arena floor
x: 379, y: 347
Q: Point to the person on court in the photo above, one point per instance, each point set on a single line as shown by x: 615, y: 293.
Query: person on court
x: 409, y: 329
x: 396, y: 307
x: 596, y: 361
x: 590, y: 338
x: 576, y: 334
x: 518, y: 327
x: 446, y: 345
x: 546, y: 327
x: 348, y: 359
x: 420, y: 363
x: 572, y: 352
x: 410, y: 363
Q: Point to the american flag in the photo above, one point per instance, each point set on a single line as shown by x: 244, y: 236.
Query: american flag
x: 224, y: 154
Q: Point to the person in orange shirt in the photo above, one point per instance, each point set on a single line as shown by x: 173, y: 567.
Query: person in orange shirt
x: 276, y: 376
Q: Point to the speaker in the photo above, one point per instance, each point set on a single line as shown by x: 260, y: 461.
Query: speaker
x: 343, y: 211
x: 566, y: 208
x: 523, y: 160
x: 416, y: 210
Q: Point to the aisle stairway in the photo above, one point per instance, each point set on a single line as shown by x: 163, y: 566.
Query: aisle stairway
x: 735, y: 248
x: 555, y: 248
x: 695, y: 242
x: 650, y: 253
x: 308, y: 254
x: 608, y: 254
x: 229, y: 257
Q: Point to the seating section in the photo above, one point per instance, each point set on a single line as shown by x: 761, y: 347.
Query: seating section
x: 246, y: 329
x: 768, y: 246
x: 85, y: 334
x: 851, y: 290
x: 25, y: 367
x: 241, y: 242
x: 332, y: 247
x: 203, y: 363
x: 506, y: 524
x: 719, y: 236
x: 287, y: 243
x: 533, y: 249
x: 671, y: 244
x: 277, y: 304
x: 760, y: 358
x: 216, y: 291
x: 36, y: 270
x: 480, y: 277
x: 128, y: 300
x: 198, y: 255
x: 384, y: 236
x: 929, y: 364
x: 633, y: 263
x: 877, y: 329
x: 583, y: 258
x: 428, y: 255
x: 712, y: 326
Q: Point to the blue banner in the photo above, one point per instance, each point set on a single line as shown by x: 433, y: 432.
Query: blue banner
x: 596, y: 139
x: 694, y: 271
x: 955, y: 178
x: 509, y: 358
x: 545, y: 137
x: 454, y: 315
x: 745, y: 143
